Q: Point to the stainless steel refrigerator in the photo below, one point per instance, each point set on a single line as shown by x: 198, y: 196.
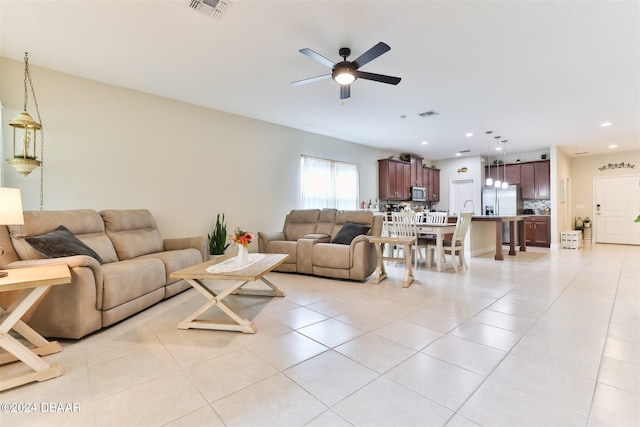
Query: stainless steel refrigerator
x: 503, y: 202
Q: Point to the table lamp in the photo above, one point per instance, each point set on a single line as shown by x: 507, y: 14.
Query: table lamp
x: 10, y: 211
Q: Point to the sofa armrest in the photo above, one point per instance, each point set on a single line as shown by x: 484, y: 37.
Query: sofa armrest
x: 75, y: 261
x: 363, y: 257
x: 72, y: 310
x: 304, y: 251
x: 265, y: 237
x: 71, y: 261
x: 361, y: 238
x: 196, y: 242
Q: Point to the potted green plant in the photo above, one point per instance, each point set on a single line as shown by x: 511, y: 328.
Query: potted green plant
x: 218, y: 238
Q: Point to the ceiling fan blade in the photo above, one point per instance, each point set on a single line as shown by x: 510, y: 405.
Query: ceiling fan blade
x: 345, y: 91
x: 310, y: 80
x: 372, y: 54
x: 314, y: 55
x: 378, y: 78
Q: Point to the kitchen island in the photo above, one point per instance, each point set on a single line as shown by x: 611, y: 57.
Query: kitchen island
x: 486, y: 234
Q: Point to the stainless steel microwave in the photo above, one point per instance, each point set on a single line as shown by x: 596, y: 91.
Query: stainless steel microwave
x: 418, y: 194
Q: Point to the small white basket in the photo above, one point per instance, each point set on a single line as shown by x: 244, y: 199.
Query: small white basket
x: 571, y: 239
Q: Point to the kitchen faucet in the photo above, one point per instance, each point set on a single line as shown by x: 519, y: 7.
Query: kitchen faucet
x: 473, y: 206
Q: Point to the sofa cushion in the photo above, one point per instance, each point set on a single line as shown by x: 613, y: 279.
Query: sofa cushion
x: 132, y: 232
x: 176, y: 260
x: 326, y: 221
x: 60, y: 243
x: 348, y: 232
x: 127, y: 280
x: 85, y: 224
x: 300, y: 222
x: 331, y: 255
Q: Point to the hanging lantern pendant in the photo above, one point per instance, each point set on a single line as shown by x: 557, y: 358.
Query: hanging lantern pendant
x: 25, y: 131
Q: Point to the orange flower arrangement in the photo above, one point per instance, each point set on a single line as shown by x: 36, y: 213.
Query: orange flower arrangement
x: 241, y: 237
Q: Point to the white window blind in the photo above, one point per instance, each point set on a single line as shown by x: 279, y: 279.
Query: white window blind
x: 328, y: 183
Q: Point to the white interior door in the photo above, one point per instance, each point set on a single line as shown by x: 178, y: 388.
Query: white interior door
x: 617, y: 204
x: 460, y: 191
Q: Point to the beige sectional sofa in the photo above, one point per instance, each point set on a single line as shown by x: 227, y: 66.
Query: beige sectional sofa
x: 133, y: 275
x: 309, y: 237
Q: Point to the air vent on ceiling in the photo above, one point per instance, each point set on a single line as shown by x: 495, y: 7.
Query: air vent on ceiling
x: 213, y: 8
x: 464, y: 151
x: 428, y: 114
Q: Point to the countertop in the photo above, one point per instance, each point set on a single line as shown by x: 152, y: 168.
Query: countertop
x: 496, y: 218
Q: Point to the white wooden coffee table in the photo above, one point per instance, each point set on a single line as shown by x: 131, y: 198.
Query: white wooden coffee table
x: 195, y: 275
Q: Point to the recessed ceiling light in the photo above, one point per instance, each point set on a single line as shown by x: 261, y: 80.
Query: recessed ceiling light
x: 425, y: 142
x: 468, y: 134
x: 605, y: 124
x: 458, y: 154
x: 498, y: 148
x: 613, y: 146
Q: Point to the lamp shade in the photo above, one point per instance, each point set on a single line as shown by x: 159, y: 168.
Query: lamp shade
x: 10, y: 206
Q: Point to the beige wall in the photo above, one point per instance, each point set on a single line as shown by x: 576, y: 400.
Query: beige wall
x: 110, y: 147
x: 561, y: 204
x: 585, y: 169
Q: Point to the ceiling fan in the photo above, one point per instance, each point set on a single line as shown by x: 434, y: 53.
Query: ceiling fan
x: 346, y: 72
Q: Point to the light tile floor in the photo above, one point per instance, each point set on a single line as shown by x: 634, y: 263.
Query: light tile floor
x: 547, y: 338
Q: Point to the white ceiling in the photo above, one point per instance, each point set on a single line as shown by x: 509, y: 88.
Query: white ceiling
x: 538, y: 73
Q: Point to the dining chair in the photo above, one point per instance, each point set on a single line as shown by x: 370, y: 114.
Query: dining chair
x: 432, y: 218
x: 405, y: 226
x: 437, y: 217
x: 455, y: 246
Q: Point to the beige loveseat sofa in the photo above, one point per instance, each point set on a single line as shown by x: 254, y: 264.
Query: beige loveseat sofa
x: 309, y: 237
x: 133, y: 275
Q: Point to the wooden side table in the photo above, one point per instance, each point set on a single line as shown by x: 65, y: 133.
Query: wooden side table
x: 381, y: 273
x: 33, y: 282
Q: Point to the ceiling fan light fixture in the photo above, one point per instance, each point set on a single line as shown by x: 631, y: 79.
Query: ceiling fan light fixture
x: 344, y: 74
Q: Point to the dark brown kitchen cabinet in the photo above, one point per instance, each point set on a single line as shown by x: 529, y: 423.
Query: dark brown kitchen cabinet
x: 543, y: 179
x: 535, y: 180
x: 405, y: 189
x: 537, y: 230
x: 394, y: 178
x: 512, y: 173
x: 509, y: 172
x: 415, y: 163
x: 491, y: 172
x: 431, y: 181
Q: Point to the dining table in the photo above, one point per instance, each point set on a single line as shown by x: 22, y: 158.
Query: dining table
x: 431, y: 229
x: 439, y: 230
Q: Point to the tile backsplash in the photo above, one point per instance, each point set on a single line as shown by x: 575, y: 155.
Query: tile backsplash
x: 537, y: 205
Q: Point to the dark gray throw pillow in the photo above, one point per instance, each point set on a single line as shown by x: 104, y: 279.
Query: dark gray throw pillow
x: 350, y: 231
x: 60, y: 243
